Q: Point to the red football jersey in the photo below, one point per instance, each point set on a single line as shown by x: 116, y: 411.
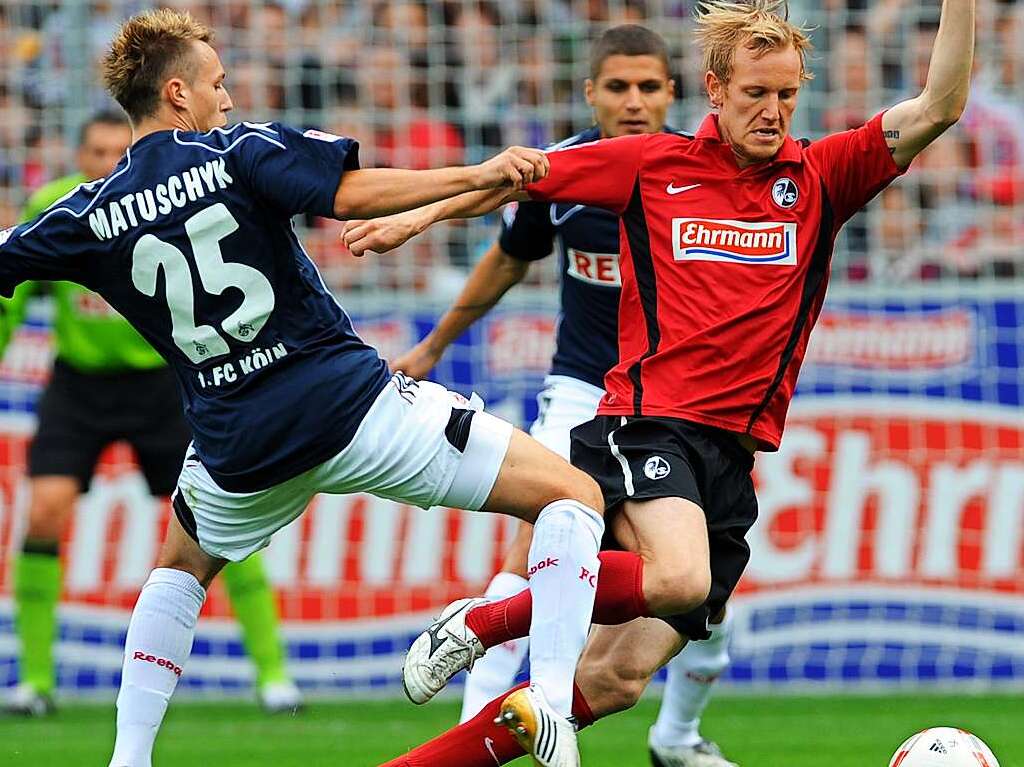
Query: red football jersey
x: 723, y: 269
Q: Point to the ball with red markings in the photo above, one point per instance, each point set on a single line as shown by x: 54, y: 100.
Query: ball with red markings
x: 943, y: 747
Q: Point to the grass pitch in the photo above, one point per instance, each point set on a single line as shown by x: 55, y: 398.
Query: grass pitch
x: 754, y: 731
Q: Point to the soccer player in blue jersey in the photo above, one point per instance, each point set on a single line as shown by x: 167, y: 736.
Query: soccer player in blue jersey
x: 190, y: 239
x: 630, y: 90
x: 107, y: 385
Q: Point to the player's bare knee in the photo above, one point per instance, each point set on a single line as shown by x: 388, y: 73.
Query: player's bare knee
x: 46, y: 523
x: 179, y: 553
x: 581, y: 487
x: 671, y: 591
x: 197, y: 569
x: 47, y: 517
x: 45, y: 528
x: 573, y: 484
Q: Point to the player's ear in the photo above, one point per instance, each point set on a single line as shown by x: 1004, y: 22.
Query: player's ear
x: 715, y: 88
x: 588, y: 91
x: 176, y: 91
x: 671, y: 90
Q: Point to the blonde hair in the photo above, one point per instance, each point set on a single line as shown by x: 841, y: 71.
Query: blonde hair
x: 758, y: 25
x: 148, y: 49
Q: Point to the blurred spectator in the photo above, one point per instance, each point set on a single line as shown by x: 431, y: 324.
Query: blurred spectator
x: 851, y: 80
x: 406, y: 134
x: 404, y: 23
x: 487, y: 76
x: 46, y: 158
x: 64, y: 45
x: 995, y: 114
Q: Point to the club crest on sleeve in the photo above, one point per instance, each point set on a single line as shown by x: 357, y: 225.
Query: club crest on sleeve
x: 320, y: 135
x: 785, y: 192
x: 508, y: 215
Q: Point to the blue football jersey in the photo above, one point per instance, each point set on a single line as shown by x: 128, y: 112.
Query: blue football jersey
x: 191, y: 240
x: 588, y: 245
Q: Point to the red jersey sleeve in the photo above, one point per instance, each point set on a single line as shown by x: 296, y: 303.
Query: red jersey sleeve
x: 602, y: 173
x: 855, y: 166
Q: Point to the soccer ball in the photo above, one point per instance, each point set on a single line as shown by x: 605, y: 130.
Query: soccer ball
x: 943, y: 747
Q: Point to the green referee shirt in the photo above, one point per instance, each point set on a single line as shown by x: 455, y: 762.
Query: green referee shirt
x: 90, y: 336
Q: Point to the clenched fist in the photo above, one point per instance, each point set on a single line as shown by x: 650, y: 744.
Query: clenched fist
x: 515, y: 168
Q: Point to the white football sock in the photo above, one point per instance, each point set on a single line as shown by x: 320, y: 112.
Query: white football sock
x: 691, y: 675
x: 563, y: 566
x: 496, y: 671
x: 158, y: 643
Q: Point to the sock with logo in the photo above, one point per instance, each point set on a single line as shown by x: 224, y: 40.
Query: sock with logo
x: 691, y: 676
x: 480, y: 742
x: 158, y: 643
x: 36, y: 591
x: 562, y: 565
x: 252, y: 601
x: 619, y: 599
x: 496, y: 671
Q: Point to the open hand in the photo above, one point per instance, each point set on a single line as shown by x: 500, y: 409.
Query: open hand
x: 378, y: 235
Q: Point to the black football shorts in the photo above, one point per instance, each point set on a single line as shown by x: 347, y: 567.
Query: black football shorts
x: 81, y: 413
x: 635, y: 458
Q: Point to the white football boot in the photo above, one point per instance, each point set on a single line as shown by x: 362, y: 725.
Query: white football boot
x: 447, y: 647
x: 550, y: 739
x: 703, y: 754
x: 26, y: 700
x: 280, y: 697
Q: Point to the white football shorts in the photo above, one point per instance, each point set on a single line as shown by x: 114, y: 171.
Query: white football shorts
x: 418, y: 444
x: 564, y: 403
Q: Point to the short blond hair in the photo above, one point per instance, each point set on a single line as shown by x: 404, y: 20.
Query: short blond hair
x: 148, y: 49
x: 759, y: 25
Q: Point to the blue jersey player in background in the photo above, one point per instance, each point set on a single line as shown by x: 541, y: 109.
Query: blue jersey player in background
x: 630, y: 90
x: 190, y: 239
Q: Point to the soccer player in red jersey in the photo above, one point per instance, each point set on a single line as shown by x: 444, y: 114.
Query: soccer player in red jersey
x: 630, y: 90
x: 726, y: 240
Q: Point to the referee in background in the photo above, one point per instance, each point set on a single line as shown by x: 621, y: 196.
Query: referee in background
x: 108, y: 385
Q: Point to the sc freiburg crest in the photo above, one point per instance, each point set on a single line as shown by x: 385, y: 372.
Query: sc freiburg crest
x: 785, y: 192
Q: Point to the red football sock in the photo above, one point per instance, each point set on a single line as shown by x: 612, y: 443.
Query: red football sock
x: 480, y: 742
x: 619, y: 599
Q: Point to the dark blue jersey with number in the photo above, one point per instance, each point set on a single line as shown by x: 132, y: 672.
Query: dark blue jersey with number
x: 588, y: 245
x: 191, y: 240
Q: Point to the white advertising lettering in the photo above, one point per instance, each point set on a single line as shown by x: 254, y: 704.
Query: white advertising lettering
x: 594, y: 268
x: 909, y: 343
x: 848, y: 497
x: 739, y: 242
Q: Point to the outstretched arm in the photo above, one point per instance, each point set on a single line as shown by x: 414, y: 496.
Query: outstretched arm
x: 912, y: 125
x: 384, y: 191
x: 600, y: 173
x: 379, y: 235
x: 490, y: 279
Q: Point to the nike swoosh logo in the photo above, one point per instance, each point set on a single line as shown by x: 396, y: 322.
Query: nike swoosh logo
x: 557, y: 220
x: 671, y: 189
x: 434, y: 630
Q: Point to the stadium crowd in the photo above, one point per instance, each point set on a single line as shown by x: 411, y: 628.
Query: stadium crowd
x: 428, y: 83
